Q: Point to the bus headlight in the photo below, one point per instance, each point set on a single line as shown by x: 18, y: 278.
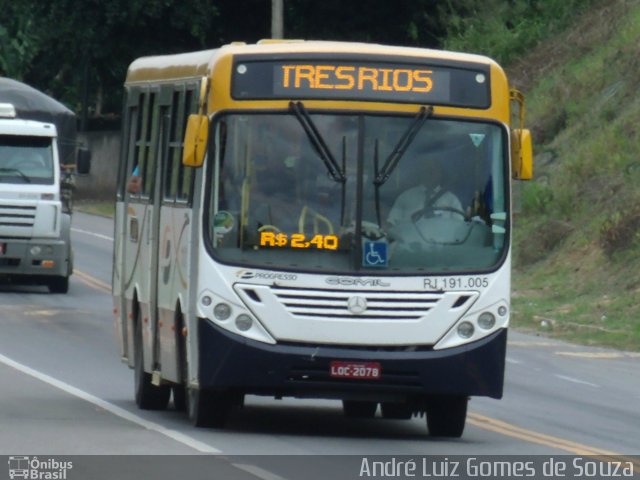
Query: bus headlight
x: 222, y: 311
x: 486, y: 320
x: 206, y: 300
x: 466, y: 329
x: 244, y: 322
x: 35, y: 250
x: 231, y: 316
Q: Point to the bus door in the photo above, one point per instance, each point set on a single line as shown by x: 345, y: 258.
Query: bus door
x: 140, y: 245
x: 133, y: 253
x: 172, y: 242
x: 120, y: 274
x: 153, y: 254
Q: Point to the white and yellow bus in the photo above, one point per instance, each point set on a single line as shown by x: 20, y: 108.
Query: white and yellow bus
x: 320, y: 220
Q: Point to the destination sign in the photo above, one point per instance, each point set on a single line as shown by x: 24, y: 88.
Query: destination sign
x: 433, y: 84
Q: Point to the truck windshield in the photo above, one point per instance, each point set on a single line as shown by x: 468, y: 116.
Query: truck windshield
x: 25, y: 159
x: 273, y: 203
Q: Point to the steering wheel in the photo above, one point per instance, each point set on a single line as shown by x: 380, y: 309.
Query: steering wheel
x: 450, y: 209
x: 424, y: 212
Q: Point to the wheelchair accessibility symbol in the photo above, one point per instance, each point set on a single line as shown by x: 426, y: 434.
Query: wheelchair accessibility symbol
x: 374, y: 254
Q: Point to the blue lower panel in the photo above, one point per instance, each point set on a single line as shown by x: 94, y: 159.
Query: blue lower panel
x: 228, y: 361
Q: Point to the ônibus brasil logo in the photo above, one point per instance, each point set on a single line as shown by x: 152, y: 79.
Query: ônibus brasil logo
x: 33, y: 468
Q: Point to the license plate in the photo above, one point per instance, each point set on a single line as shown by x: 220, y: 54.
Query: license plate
x: 356, y: 370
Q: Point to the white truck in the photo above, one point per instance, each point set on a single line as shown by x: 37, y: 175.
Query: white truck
x: 35, y: 244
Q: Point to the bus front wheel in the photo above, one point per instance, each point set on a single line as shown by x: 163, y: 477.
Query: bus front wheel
x: 446, y: 416
x: 207, y: 408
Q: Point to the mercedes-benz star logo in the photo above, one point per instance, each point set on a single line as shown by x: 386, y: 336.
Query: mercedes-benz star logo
x: 357, y: 305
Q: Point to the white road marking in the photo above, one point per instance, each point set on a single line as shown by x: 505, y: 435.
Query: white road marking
x: 513, y: 360
x: 93, y: 234
x: 576, y: 380
x: 114, y: 409
x: 600, y: 355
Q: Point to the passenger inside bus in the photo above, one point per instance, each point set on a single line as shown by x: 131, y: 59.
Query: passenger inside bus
x: 273, y: 200
x: 134, y: 185
x: 288, y: 193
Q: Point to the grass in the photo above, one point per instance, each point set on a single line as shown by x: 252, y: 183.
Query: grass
x: 580, y: 295
x: 103, y: 208
x: 577, y: 237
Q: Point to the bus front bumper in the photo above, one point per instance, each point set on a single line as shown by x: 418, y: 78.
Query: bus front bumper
x: 231, y: 362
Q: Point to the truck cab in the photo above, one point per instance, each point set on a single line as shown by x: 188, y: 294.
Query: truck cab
x: 35, y: 244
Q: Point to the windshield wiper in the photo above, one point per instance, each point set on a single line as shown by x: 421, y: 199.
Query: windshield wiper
x: 18, y: 171
x: 317, y: 141
x: 401, y: 147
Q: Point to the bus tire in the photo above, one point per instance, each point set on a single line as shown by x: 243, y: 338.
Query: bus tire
x: 446, y: 416
x: 180, y: 393
x: 148, y: 395
x: 208, y: 409
x: 58, y: 284
x: 179, y: 398
x: 396, y: 411
x: 359, y: 408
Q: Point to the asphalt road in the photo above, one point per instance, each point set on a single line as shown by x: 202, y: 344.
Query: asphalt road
x: 65, y: 392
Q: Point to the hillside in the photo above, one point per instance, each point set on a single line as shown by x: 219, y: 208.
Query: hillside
x: 577, y: 250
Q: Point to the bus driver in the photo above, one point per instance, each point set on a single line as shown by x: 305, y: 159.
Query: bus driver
x: 429, y: 198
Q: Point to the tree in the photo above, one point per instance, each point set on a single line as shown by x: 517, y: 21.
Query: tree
x: 78, y: 51
x: 19, y: 41
x: 397, y: 22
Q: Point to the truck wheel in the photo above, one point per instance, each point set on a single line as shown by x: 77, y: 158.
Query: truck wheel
x: 359, y: 408
x: 446, y: 416
x: 148, y: 395
x: 58, y: 285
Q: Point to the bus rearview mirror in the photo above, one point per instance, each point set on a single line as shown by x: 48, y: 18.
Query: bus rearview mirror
x: 195, y: 140
x: 522, y: 154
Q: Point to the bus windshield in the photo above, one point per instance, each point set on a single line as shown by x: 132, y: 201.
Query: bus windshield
x: 274, y: 199
x: 26, y: 159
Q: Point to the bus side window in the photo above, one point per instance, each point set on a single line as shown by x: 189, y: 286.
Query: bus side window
x: 174, y: 156
x: 151, y: 134
x: 128, y: 152
x: 143, y: 134
x: 137, y: 148
x: 185, y: 174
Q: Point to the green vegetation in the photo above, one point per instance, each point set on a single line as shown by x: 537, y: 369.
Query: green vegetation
x: 577, y: 248
x: 104, y: 209
x: 505, y: 30
x: 79, y: 51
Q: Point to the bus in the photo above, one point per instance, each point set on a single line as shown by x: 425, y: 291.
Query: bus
x: 285, y: 237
